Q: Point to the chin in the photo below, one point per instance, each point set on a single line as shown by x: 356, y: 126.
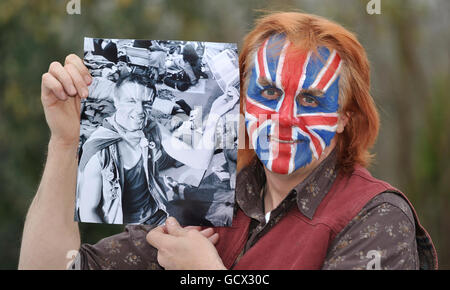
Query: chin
x: 134, y: 126
x: 137, y: 128
x: 303, y: 158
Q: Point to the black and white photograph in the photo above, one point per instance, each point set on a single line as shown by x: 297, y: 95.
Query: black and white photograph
x: 158, y: 132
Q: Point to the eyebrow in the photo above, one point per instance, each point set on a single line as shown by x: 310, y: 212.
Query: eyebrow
x: 263, y: 81
x: 310, y: 91
x: 313, y: 92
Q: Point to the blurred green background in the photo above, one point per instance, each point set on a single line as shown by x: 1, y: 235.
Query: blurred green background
x: 407, y: 44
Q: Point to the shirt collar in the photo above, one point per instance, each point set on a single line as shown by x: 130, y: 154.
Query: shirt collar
x: 309, y: 193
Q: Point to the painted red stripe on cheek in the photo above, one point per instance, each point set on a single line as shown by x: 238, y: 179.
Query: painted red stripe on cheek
x: 319, y: 120
x: 256, y: 110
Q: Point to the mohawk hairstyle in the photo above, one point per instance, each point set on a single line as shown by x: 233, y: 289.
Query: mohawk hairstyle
x: 307, y: 32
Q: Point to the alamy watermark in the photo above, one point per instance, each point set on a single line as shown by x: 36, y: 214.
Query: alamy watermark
x: 375, y: 262
x: 71, y: 256
x: 373, y: 7
x: 73, y: 7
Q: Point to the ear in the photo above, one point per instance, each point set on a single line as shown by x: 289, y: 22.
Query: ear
x: 342, y: 121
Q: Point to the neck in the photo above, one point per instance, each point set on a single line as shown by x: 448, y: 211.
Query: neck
x: 278, y: 185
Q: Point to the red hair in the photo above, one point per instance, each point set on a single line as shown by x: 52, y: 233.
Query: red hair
x: 307, y: 32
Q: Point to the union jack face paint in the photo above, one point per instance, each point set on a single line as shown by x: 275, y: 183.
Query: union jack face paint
x: 291, y: 104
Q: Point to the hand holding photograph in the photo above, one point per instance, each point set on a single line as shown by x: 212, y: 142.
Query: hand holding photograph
x: 158, y: 134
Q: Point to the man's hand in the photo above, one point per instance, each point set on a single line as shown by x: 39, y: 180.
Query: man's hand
x: 61, y: 90
x: 50, y: 231
x: 185, y: 248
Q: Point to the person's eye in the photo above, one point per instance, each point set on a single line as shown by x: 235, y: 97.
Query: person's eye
x: 271, y: 93
x: 308, y: 101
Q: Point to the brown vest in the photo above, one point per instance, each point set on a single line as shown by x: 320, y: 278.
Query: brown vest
x: 297, y: 242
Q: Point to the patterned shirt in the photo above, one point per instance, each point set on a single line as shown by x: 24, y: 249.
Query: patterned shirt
x: 381, y: 236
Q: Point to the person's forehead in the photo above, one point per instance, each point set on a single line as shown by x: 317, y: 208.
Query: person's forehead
x: 276, y: 60
x: 135, y: 91
x: 273, y: 50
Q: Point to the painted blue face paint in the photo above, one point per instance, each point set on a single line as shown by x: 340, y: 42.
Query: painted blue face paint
x: 291, y: 104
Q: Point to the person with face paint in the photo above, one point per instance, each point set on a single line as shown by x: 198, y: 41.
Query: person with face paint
x: 304, y: 199
x: 292, y: 105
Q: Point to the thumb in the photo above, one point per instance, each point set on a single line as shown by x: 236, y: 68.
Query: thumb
x: 173, y: 227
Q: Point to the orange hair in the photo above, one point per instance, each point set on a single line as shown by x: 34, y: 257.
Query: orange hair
x: 307, y: 32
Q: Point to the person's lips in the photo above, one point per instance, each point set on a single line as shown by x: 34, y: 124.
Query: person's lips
x: 274, y: 139
x: 138, y: 119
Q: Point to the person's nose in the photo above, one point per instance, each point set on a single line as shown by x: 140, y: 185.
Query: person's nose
x: 139, y: 109
x: 286, y: 116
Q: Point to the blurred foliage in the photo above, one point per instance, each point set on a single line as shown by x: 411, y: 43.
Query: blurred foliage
x: 407, y: 45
